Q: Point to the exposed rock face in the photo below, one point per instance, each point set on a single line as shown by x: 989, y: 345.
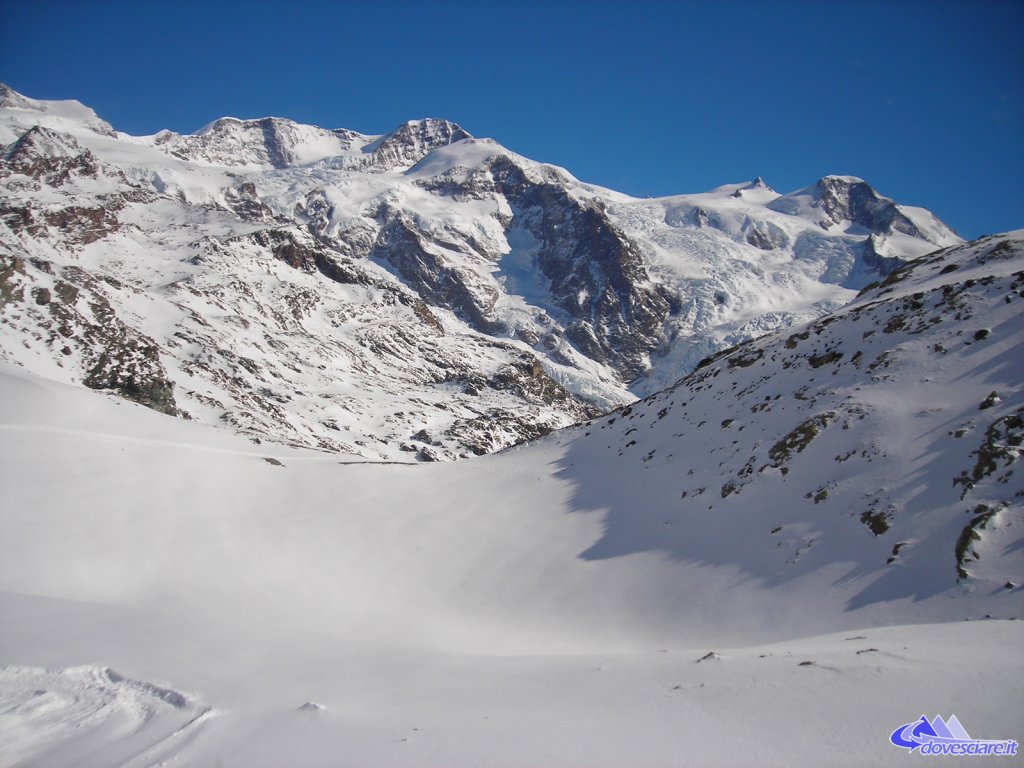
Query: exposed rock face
x: 81, y: 323
x: 835, y: 200
x: 50, y: 157
x: 245, y: 201
x: 299, y: 251
x: 875, y: 257
x: 845, y: 200
x: 597, y: 275
x: 765, y: 235
x: 130, y: 366
x: 426, y: 271
x: 421, y: 294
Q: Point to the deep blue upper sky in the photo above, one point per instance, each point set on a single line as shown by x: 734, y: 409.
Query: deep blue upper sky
x: 924, y: 99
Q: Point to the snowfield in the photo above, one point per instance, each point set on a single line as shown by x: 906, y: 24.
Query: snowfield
x: 812, y: 540
x: 320, y: 613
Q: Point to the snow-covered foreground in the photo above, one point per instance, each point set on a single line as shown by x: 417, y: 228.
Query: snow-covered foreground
x: 171, y: 594
x: 309, y: 700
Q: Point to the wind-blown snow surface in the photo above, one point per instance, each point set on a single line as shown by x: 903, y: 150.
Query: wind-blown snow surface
x: 546, y: 605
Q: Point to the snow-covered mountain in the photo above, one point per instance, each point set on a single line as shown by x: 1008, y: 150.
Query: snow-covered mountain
x: 816, y: 532
x: 422, y: 294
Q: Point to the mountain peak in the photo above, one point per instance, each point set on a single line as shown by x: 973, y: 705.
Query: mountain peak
x: 40, y: 140
x: 265, y: 141
x: 434, y: 126
x: 840, y: 180
x: 63, y: 114
x: 755, y: 190
x: 11, y: 98
x: 854, y: 205
x: 228, y: 123
x: 413, y: 140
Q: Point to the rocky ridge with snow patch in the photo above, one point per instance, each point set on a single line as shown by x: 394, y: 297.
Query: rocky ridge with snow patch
x: 885, y: 436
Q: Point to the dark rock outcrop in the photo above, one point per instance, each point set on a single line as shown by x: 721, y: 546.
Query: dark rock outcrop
x: 597, y: 274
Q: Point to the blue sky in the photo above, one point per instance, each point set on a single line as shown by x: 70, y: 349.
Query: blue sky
x: 924, y: 99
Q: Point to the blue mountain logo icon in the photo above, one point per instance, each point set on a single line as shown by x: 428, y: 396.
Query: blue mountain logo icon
x: 946, y: 737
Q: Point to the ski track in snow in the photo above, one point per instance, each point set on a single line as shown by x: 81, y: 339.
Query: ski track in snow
x: 92, y: 716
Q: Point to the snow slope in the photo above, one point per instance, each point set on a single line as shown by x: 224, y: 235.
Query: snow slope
x: 829, y: 446
x: 801, y: 498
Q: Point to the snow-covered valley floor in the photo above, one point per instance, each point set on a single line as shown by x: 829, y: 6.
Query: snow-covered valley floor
x: 172, y: 596
x: 280, y: 699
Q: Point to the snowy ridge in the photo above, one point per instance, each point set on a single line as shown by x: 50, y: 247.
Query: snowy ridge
x: 256, y: 144
x: 421, y: 294
x: 67, y: 115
